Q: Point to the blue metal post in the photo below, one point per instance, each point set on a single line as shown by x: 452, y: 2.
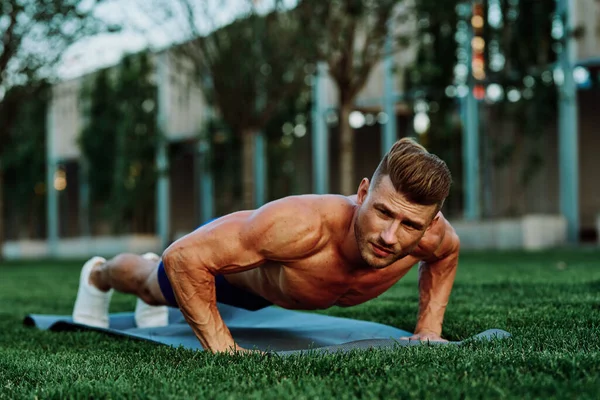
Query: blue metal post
x: 568, y: 124
x: 472, y: 209
x: 320, y: 139
x: 260, y: 169
x: 51, y: 192
x: 162, y: 160
x: 389, y: 133
x: 84, y: 197
x: 206, y: 197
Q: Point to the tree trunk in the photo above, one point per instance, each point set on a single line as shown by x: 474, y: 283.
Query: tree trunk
x: 347, y: 186
x: 248, y: 144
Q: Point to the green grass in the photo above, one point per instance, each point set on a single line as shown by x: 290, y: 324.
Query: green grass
x: 549, y: 301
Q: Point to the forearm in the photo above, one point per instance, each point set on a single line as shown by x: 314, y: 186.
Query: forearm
x: 435, y: 284
x: 195, y: 292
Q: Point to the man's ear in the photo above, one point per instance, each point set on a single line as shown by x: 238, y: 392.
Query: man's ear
x: 434, y: 221
x: 363, y: 190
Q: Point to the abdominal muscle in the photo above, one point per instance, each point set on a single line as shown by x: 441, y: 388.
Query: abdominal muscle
x: 310, y: 286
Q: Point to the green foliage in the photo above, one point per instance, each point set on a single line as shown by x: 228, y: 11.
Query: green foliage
x: 36, y: 33
x: 119, y: 142
x: 525, y: 42
x: 24, y: 159
x: 547, y: 300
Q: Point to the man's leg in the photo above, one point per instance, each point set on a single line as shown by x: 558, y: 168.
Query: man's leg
x: 127, y: 273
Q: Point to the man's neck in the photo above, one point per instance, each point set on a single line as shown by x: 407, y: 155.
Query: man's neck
x: 349, y: 247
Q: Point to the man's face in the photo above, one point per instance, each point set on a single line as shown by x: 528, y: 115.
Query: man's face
x: 388, y: 226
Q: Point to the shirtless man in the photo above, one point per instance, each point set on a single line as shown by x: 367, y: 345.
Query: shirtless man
x: 301, y: 252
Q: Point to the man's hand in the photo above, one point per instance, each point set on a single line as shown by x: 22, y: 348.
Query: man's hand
x: 425, y: 337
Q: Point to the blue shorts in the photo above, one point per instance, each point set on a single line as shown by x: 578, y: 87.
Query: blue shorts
x: 226, y: 293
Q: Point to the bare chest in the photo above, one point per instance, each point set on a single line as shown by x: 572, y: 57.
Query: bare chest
x: 321, y: 282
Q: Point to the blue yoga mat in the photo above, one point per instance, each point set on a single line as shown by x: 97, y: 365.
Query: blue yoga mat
x: 269, y: 329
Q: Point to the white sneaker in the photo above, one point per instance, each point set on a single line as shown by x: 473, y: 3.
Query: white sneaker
x: 147, y: 316
x: 91, y: 305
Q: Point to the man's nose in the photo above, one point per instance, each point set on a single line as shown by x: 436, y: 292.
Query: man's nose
x: 388, y: 235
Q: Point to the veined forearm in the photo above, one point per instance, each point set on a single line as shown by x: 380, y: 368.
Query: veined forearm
x: 435, y: 284
x: 196, y: 295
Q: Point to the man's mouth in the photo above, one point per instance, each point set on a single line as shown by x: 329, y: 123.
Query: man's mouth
x: 381, y: 251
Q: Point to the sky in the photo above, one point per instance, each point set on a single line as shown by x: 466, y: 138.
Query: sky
x: 146, y: 24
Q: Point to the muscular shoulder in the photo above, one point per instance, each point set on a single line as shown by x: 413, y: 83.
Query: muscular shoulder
x: 438, y: 242
x: 287, y: 228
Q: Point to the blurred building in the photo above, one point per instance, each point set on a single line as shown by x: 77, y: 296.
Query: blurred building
x: 186, y: 110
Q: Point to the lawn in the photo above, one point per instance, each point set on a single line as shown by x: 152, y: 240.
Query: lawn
x: 549, y: 301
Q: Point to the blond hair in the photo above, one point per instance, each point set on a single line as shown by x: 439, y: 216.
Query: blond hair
x: 417, y: 174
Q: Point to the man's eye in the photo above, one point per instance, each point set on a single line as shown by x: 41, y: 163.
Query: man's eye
x: 385, y: 213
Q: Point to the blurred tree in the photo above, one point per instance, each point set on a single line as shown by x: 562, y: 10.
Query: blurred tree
x: 24, y: 121
x: 518, y: 56
x: 33, y: 36
x: 350, y: 36
x: 119, y: 143
x: 247, y: 68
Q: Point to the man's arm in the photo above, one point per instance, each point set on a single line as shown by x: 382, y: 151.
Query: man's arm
x: 283, y: 230
x: 436, y: 278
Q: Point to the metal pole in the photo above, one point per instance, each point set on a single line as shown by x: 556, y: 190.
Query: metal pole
x: 320, y: 139
x: 52, y: 193
x: 568, y: 134
x: 162, y: 161
x: 389, y: 131
x: 259, y: 169
x: 84, y: 197
x: 206, y: 202
x: 471, y: 177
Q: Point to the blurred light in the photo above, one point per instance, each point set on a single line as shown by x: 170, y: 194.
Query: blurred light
x: 559, y: 76
x: 434, y: 107
x: 287, y: 128
x: 494, y: 92
x: 513, y: 95
x: 331, y: 118
x: 308, y: 80
x: 581, y: 75
x: 383, y: 118
x: 528, y: 94
x: 478, y: 44
x: 300, y: 130
x: 479, y: 92
x: 495, y: 15
x: 479, y: 74
x: 421, y: 122
x: 547, y: 77
x: 529, y: 81
x: 497, y: 62
x: 450, y: 91
x: 60, y: 180
x: 461, y: 70
x: 300, y: 119
x: 148, y: 105
x: 462, y: 90
x: 460, y: 36
x: 265, y: 69
x: 370, y: 119
x: 287, y: 141
x: 421, y: 106
x: 477, y: 21
x: 356, y: 119
x: 558, y: 29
